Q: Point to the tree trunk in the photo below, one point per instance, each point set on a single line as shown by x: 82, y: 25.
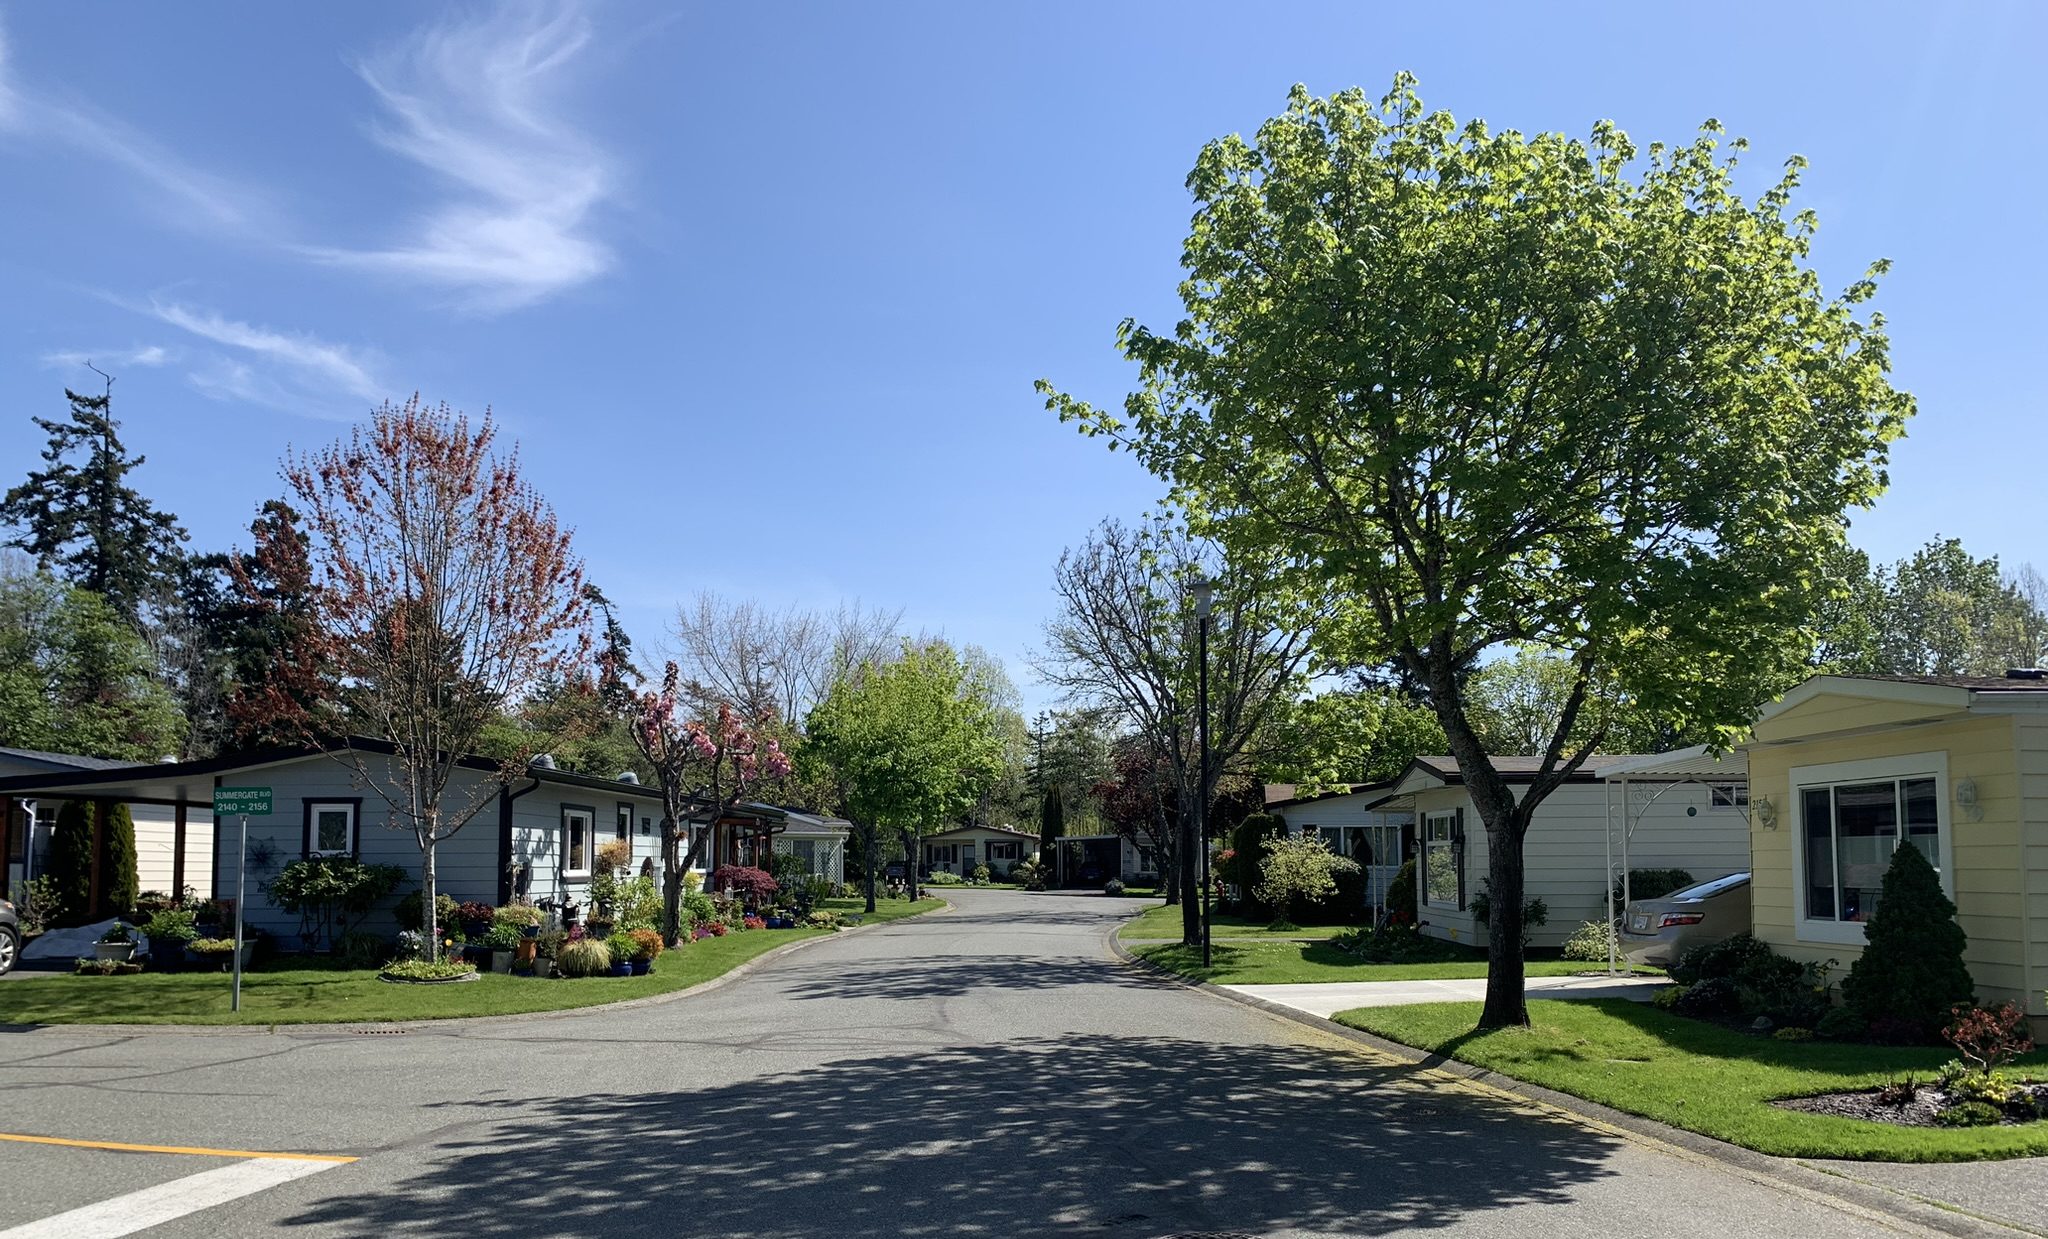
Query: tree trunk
x: 909, y: 862
x: 432, y: 929
x: 871, y: 844
x: 671, y: 884
x: 1507, y: 1004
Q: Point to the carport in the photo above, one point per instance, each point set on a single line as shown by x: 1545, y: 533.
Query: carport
x: 183, y: 791
x: 1634, y: 784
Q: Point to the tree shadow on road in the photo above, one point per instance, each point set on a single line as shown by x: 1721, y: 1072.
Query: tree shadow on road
x: 1139, y: 1136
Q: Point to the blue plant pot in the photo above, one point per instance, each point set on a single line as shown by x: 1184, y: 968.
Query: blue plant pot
x: 623, y: 970
x: 641, y: 967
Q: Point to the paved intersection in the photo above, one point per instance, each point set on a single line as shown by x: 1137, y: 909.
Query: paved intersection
x: 987, y: 1071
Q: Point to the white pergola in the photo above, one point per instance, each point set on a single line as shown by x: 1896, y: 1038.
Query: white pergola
x: 1632, y: 786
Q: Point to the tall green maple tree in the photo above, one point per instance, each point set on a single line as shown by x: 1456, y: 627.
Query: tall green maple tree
x: 1495, y: 388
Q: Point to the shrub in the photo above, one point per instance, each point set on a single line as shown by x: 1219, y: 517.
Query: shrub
x: 1394, y: 945
x: 446, y: 914
x: 1842, y: 1024
x: 585, y: 957
x: 1534, y: 911
x: 1113, y: 888
x: 1345, y: 904
x: 1028, y: 874
x: 411, y: 944
x: 1668, y: 998
x: 1911, y: 969
x: 748, y: 883
x: 647, y: 944
x: 35, y: 905
x: 939, y: 877
x: 753, y: 922
x: 1783, y: 990
x: 1989, y: 1039
x: 1969, y: 1113
x: 1793, y: 1034
x: 1963, y: 1082
x: 1401, y: 899
x: 118, y: 884
x: 171, y: 925
x: 1295, y: 869
x: 613, y: 855
x: 698, y: 910
x: 518, y: 914
x: 427, y: 970
x: 1652, y: 884
x: 476, y: 916
x: 360, y: 948
x: 502, y: 937
x: 1713, y: 996
x: 981, y: 874
x: 69, y: 864
x: 621, y: 946
x: 331, y: 894
x: 823, y: 918
x: 117, y: 932
x: 637, y: 904
x: 1244, y: 861
x: 1590, y: 941
x: 550, y: 943
x: 1719, y: 959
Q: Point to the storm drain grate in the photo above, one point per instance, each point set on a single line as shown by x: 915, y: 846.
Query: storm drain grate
x: 379, y: 1032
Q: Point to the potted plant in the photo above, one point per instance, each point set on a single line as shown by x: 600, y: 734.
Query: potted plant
x: 523, y: 917
x: 168, y: 932
x: 476, y: 916
x: 502, y: 940
x: 546, y: 945
x: 585, y: 957
x: 217, y: 953
x: 621, y: 947
x: 117, y: 944
x: 646, y: 948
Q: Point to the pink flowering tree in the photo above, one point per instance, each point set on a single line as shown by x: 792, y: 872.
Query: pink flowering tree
x: 703, y: 766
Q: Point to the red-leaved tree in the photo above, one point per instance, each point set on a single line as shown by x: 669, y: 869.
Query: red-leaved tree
x: 444, y: 589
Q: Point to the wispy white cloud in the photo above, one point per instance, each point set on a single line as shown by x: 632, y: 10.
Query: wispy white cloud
x: 476, y: 105
x: 200, y: 195
x: 140, y: 355
x: 293, y: 371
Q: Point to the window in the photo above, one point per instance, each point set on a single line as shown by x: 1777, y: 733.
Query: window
x: 646, y: 825
x: 1852, y: 817
x: 625, y: 819
x: 1010, y: 851
x: 1443, y: 859
x: 1730, y: 795
x: 942, y: 854
x: 331, y: 827
x: 577, y: 825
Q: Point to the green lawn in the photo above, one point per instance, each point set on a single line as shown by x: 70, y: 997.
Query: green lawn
x: 319, y: 996
x: 1243, y: 961
x: 1702, y: 1077
x: 1164, y: 922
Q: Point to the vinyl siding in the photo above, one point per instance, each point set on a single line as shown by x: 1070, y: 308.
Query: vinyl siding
x: 2031, y: 773
x: 1990, y: 877
x: 1565, y: 855
x: 155, y: 836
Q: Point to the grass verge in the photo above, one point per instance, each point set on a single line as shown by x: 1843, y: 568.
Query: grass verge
x: 1249, y: 961
x: 1164, y: 922
x: 1702, y: 1077
x: 321, y: 996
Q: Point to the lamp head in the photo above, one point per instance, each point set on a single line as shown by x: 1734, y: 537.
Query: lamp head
x: 1205, y: 597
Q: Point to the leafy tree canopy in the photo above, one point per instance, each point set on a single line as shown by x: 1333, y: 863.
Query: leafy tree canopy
x: 75, y: 677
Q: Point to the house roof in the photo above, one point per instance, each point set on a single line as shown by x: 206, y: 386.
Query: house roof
x: 64, y: 761
x: 1894, y: 700
x: 2026, y: 680
x: 994, y: 830
x: 190, y: 782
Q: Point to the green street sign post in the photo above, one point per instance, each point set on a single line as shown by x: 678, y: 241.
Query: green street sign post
x: 244, y: 803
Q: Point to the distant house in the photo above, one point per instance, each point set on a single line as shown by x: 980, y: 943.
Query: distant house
x: 1086, y: 861
x: 1356, y: 824
x: 818, y: 841
x: 963, y: 848
x: 1663, y: 811
x: 1844, y: 770
x: 537, y: 837
x: 173, y: 843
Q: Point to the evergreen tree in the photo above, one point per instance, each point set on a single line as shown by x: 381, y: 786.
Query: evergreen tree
x: 70, y: 863
x: 84, y: 522
x: 1052, y: 823
x: 119, y: 884
x: 1911, y: 970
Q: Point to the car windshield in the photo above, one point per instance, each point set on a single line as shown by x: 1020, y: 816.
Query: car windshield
x: 1707, y: 890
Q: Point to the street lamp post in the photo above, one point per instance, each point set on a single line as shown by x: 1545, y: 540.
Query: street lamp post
x: 1205, y: 595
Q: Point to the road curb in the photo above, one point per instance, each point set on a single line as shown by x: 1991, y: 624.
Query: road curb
x: 458, y: 1023
x: 1873, y: 1201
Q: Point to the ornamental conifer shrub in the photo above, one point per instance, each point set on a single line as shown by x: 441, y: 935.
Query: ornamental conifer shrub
x: 70, y: 863
x: 119, y: 885
x: 1911, y: 973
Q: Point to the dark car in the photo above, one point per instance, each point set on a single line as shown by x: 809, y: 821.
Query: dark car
x: 1657, y: 931
x: 10, y: 937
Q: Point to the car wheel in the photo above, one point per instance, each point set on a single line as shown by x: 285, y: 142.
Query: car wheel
x: 10, y: 948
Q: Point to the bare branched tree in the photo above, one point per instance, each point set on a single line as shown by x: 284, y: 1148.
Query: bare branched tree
x: 776, y: 664
x: 1125, y: 639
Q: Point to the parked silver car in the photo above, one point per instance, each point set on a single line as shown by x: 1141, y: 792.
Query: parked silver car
x: 10, y: 937
x: 1657, y: 931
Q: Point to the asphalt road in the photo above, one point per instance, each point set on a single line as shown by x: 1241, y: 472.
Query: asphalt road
x: 986, y: 1071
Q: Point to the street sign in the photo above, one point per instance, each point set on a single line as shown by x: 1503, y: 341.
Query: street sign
x: 253, y: 801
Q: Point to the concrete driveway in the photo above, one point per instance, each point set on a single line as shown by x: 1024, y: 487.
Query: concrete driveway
x: 991, y: 1071
x: 1328, y: 998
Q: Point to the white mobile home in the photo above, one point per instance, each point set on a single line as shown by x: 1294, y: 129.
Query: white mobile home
x: 1676, y: 811
x: 1355, y: 824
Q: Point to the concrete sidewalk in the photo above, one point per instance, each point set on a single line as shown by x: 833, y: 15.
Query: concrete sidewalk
x: 1328, y: 998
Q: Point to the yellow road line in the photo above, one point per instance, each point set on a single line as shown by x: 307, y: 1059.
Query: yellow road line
x: 170, y: 1148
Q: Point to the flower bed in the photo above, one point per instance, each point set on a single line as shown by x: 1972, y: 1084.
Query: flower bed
x: 428, y: 972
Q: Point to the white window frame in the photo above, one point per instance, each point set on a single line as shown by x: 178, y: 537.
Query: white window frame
x: 1728, y: 796
x: 589, y: 816
x: 313, y: 810
x: 1874, y: 770
x: 1449, y: 846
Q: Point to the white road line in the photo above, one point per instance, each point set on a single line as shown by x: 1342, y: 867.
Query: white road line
x: 153, y: 1206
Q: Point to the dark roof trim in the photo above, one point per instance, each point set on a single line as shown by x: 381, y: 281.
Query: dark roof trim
x: 65, y: 761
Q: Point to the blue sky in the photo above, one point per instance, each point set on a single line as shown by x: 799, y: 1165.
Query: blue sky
x: 761, y: 289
